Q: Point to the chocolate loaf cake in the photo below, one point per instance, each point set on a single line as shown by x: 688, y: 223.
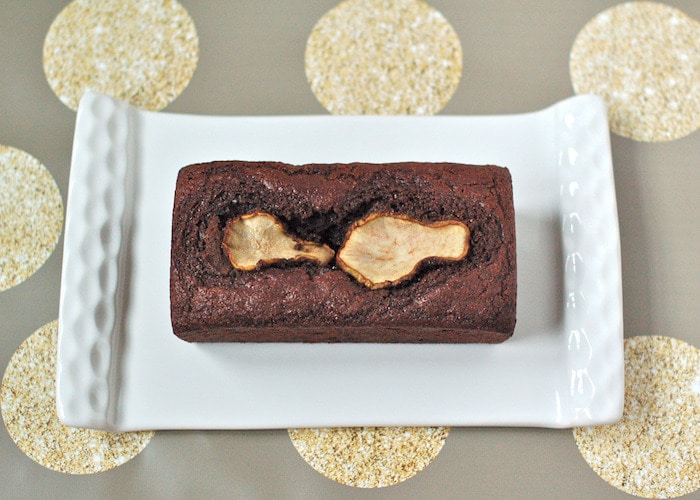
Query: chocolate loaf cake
x: 325, y: 222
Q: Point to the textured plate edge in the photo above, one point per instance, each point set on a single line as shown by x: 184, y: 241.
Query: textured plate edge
x: 587, y: 180
x: 92, y: 274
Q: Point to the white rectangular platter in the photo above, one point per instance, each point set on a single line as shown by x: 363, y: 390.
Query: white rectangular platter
x: 121, y: 368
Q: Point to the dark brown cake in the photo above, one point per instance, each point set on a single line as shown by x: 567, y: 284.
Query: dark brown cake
x: 471, y: 300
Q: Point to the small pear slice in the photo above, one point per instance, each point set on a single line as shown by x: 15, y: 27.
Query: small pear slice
x: 383, y: 250
x: 258, y: 238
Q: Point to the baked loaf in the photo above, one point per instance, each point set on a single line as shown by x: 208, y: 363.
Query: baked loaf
x: 472, y: 299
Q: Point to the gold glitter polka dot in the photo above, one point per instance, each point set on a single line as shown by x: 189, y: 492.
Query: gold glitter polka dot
x: 369, y: 457
x: 378, y: 57
x: 141, y: 51
x: 31, y: 216
x: 28, y: 403
x: 643, y: 58
x: 654, y: 451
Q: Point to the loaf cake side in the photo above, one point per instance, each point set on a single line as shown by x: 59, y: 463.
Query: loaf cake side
x: 469, y: 300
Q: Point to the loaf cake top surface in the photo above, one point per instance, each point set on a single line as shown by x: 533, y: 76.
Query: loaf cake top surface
x: 318, y: 203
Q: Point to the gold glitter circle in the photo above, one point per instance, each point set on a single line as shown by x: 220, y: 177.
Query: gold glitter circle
x: 141, y: 51
x: 28, y: 403
x: 654, y: 451
x: 378, y: 57
x: 369, y: 457
x: 643, y: 58
x: 31, y: 216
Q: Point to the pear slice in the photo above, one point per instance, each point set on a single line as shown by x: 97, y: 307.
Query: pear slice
x: 257, y: 239
x: 383, y: 250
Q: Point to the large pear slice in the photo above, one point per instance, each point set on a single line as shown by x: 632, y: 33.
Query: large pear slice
x: 384, y: 250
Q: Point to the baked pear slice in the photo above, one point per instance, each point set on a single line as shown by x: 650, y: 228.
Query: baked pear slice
x: 257, y: 239
x: 383, y: 250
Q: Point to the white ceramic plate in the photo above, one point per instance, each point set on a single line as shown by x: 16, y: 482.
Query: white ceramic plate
x: 121, y: 368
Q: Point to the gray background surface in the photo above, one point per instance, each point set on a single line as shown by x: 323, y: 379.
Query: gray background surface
x: 252, y: 63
